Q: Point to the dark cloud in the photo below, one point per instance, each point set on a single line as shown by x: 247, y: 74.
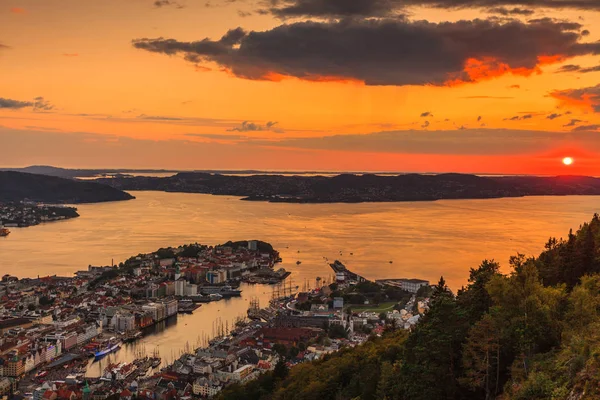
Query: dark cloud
x: 514, y: 87
x: 479, y: 118
x: 38, y: 104
x: 3, y: 46
x: 511, y: 11
x: 426, y: 114
x: 554, y: 116
x: 578, y: 68
x: 384, y: 51
x: 168, y: 3
x: 248, y: 126
x: 569, y: 68
x: 573, y: 122
x: 519, y: 117
x: 379, y: 8
x: 587, y: 128
x: 14, y: 104
x: 332, y: 8
x: 584, y: 98
x: 425, y: 124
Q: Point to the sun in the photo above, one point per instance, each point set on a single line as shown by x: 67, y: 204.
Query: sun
x: 567, y: 161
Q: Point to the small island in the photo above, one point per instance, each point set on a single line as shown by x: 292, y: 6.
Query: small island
x: 22, y: 215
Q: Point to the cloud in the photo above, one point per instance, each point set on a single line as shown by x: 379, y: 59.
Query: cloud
x: 587, y: 99
x: 386, y: 8
x: 573, y: 122
x: 519, y: 117
x: 386, y: 52
x: 578, y: 68
x: 248, y: 126
x: 167, y: 3
x: 479, y: 118
x: 70, y: 55
x: 14, y: 104
x: 586, y: 128
x: 553, y: 116
x: 158, y: 118
x: 426, y: 114
x: 18, y: 10
x: 38, y: 104
x: 511, y: 11
x: 425, y: 124
x: 514, y: 87
x: 488, y: 97
x: 3, y: 46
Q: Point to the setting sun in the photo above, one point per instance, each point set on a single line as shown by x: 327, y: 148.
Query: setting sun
x: 567, y: 161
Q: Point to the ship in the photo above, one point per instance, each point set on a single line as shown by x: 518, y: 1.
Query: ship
x: 111, y: 347
x: 225, y: 291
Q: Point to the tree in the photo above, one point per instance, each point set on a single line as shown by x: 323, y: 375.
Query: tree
x: 432, y: 355
x: 481, y: 357
x: 475, y: 299
x: 337, y: 331
x: 281, y: 370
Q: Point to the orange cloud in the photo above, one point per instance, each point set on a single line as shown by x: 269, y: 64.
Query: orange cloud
x: 476, y: 70
x: 70, y: 55
x: 586, y: 99
x: 18, y: 10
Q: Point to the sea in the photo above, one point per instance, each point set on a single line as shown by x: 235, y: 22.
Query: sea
x: 423, y: 240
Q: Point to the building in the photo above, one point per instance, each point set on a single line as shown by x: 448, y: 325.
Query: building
x: 170, y: 307
x: 123, y: 322
x: 205, y: 387
x: 412, y: 285
x: 11, y: 323
x: 338, y: 303
x: 6, y: 386
x: 253, y: 245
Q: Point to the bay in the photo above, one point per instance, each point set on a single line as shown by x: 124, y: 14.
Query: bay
x: 421, y: 239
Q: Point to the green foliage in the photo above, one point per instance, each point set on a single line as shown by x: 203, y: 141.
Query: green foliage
x: 337, y: 332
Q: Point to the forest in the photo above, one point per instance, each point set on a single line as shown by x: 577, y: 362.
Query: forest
x: 530, y: 334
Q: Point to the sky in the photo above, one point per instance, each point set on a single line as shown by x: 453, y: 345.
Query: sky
x: 473, y: 86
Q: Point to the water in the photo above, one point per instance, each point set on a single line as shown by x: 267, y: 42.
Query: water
x: 422, y: 239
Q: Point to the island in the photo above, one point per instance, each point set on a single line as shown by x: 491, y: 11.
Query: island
x: 348, y: 188
x: 28, y: 214
x: 19, y: 186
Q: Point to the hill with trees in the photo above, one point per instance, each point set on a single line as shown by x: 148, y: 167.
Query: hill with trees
x: 531, y: 334
x: 19, y: 186
x: 348, y: 188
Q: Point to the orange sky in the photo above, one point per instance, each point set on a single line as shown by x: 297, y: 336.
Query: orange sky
x: 109, y: 104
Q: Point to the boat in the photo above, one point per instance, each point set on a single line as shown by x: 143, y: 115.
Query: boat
x: 132, y: 336
x: 156, y: 362
x: 4, y: 231
x: 111, y: 347
x: 215, y: 296
x: 226, y: 291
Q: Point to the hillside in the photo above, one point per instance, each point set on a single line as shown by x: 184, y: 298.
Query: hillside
x: 531, y: 334
x: 347, y: 188
x: 17, y: 186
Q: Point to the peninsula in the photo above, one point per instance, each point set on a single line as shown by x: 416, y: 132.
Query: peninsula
x: 348, y: 188
x: 18, y: 186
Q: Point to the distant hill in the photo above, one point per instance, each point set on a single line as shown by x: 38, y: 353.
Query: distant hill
x: 348, y: 188
x: 17, y: 186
